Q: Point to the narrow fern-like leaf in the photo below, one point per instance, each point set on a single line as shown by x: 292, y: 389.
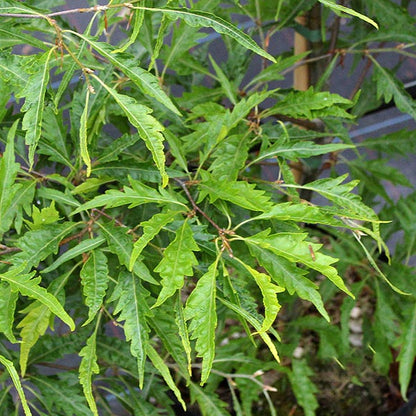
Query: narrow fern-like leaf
x: 16, y: 381
x: 34, y: 93
x: 94, y: 279
x: 201, y: 310
x: 83, y: 135
x: 133, y: 309
x: 163, y: 369
x: 8, y: 299
x: 178, y: 261
x: 199, y: 18
x: 88, y: 368
x: 151, y: 228
x: 137, y: 24
x: 268, y: 291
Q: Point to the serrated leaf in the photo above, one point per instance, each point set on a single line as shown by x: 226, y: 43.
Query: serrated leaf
x: 16, y: 381
x: 140, y: 194
x: 94, y: 279
x: 303, y: 387
x: 66, y: 397
x: 296, y: 150
x: 229, y: 158
x: 310, y: 104
x: 34, y: 93
x: 58, y: 196
x: 8, y: 299
x: 83, y: 134
x: 177, y: 262
x: 199, y: 18
x: 146, y: 81
x: 289, y: 276
x: 163, y: 369
x: 137, y: 24
x: 268, y: 291
x: 38, y: 244
x: 113, y: 151
x: 337, y: 8
x: 293, y: 247
x: 8, y: 172
x: 37, y: 320
x: 121, y: 245
x: 87, y: 369
x: 228, y: 89
x: 208, y: 402
x: 27, y: 286
x: 239, y: 193
x: 389, y: 87
x: 166, y: 326
x: 340, y: 194
x: 201, y: 310
x: 133, y: 309
x: 81, y: 248
x: 149, y: 129
x: 151, y: 228
x: 45, y: 216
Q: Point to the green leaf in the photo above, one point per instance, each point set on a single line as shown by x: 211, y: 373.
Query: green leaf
x: 140, y: 194
x: 45, y: 216
x: 163, y: 369
x: 227, y: 87
x: 34, y: 93
x: 268, y: 291
x: 255, y: 323
x: 16, y: 381
x: 293, y: 247
x: 146, y: 81
x: 198, y: 18
x: 303, y: 387
x: 289, y: 276
x: 332, y: 189
x: 27, y: 286
x: 8, y: 299
x: 177, y: 262
x: 121, y: 245
x: 337, y: 8
x: 239, y: 193
x: 296, y: 150
x: 94, y: 279
x: 87, y: 369
x: 137, y: 24
x: 310, y: 104
x: 149, y: 129
x: 229, y: 158
x: 166, y: 326
x: 8, y: 172
x: 83, y: 135
x: 38, y: 244
x: 389, y: 87
x: 133, y: 309
x: 201, y: 310
x: 151, y: 228
x: 208, y: 402
x: 37, y: 320
x: 58, y: 196
x: 63, y: 394
x: 81, y: 248
x: 112, y: 152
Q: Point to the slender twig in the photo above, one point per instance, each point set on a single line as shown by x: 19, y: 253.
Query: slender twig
x: 8, y: 250
x: 196, y: 207
x: 93, y: 9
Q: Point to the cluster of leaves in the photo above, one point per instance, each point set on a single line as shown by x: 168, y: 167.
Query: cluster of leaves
x: 138, y: 229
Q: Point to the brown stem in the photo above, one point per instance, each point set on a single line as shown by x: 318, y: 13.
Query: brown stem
x: 8, y: 250
x: 196, y: 207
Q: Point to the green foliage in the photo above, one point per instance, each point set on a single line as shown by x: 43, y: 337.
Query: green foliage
x: 177, y: 220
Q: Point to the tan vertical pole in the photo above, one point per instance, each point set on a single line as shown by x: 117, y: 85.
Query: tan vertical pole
x: 300, y: 82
